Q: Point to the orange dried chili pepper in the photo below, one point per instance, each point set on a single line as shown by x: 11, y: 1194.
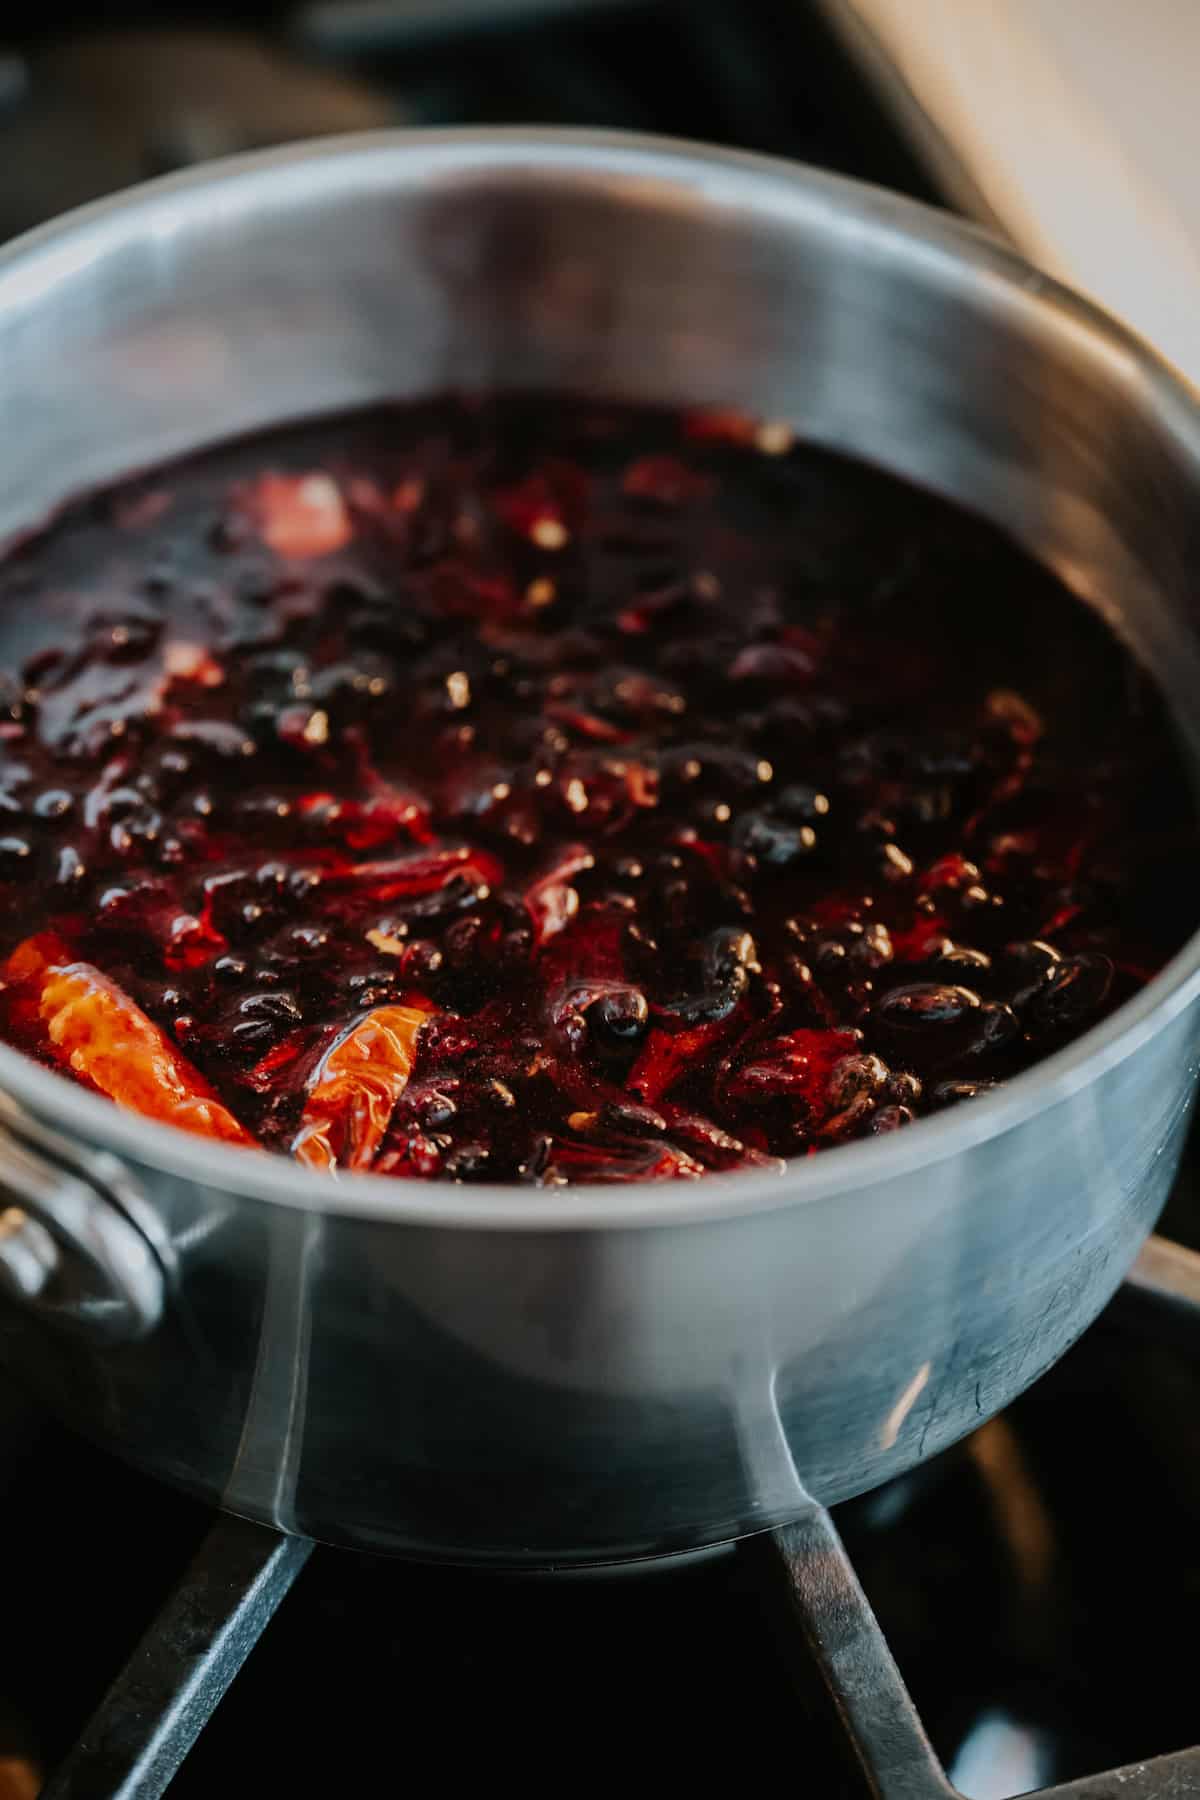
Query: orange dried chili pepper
x: 357, y: 1084
x: 301, y: 516
x: 103, y: 1036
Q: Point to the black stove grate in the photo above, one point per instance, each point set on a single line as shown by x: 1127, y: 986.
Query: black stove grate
x: 833, y: 1646
x: 176, y: 1678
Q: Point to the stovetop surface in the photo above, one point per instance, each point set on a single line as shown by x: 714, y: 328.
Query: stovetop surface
x: 1034, y: 1583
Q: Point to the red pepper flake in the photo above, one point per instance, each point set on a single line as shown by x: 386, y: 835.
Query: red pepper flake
x: 1060, y: 919
x: 720, y: 426
x: 652, y: 1160
x: 539, y: 508
x: 951, y: 871
x: 551, y: 901
x: 666, y: 480
x: 586, y: 724
x: 410, y: 876
x: 920, y: 941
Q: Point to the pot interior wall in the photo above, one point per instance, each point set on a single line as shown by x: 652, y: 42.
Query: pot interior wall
x: 206, y: 308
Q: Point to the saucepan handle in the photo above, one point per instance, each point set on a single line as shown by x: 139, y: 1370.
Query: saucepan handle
x: 69, y: 1251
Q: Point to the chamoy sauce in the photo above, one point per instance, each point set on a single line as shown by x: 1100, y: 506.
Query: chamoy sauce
x: 542, y: 791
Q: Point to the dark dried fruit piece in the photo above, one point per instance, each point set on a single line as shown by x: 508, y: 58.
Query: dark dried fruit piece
x: 1073, y: 994
x: 621, y: 1015
x: 930, y: 1024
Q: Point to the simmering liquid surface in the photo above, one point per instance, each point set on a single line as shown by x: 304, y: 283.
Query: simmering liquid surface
x: 541, y: 791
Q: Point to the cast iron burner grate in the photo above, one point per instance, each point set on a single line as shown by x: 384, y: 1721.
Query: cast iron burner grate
x: 836, y: 1652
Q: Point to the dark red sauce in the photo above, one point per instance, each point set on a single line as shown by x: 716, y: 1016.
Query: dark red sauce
x: 547, y: 792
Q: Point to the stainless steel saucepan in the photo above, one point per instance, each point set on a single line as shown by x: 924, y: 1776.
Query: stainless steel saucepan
x: 512, y: 1375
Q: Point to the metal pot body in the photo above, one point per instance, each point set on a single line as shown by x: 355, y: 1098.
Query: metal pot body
x: 516, y: 1377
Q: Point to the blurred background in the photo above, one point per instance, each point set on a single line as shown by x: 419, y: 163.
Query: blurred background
x: 1067, y: 123
x: 93, y: 98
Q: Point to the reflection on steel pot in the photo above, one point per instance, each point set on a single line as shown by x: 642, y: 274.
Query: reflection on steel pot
x: 514, y: 1375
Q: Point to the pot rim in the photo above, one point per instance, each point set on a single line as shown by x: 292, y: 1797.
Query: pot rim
x: 695, y: 172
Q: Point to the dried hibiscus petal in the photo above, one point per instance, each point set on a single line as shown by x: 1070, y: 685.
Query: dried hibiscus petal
x: 654, y: 1160
x: 406, y: 877
x: 666, y: 480
x: 718, y: 426
x: 551, y: 900
x: 715, y: 1147
x: 798, y: 1068
x: 669, y: 1055
x: 366, y: 824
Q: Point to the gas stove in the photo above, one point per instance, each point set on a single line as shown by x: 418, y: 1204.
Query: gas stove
x: 1009, y: 1613
x: 1006, y: 1618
